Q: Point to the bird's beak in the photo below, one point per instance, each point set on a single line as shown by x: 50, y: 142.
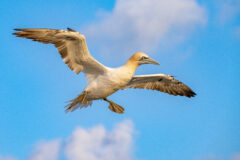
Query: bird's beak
x: 151, y: 61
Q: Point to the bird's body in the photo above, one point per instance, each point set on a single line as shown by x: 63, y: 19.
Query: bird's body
x: 110, y: 81
x: 103, y: 81
x: 106, y: 84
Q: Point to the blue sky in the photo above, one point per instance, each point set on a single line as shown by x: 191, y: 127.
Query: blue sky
x: 195, y: 40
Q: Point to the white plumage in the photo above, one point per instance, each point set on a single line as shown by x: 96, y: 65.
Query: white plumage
x: 103, y: 81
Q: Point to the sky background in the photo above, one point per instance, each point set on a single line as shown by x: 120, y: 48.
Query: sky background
x: 197, y: 41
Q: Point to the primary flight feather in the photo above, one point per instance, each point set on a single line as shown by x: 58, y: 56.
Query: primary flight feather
x: 103, y: 81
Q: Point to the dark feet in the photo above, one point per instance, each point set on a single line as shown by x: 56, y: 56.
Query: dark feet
x: 114, y: 107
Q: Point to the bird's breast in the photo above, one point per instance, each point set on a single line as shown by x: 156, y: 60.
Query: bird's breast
x: 106, y: 84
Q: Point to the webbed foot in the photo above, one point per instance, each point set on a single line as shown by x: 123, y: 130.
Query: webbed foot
x: 114, y: 107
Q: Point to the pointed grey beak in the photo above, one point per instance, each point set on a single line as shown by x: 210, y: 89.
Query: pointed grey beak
x: 151, y: 61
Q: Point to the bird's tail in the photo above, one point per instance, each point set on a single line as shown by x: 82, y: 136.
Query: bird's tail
x: 79, y: 102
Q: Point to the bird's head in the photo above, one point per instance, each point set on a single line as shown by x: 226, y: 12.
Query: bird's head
x: 142, y: 58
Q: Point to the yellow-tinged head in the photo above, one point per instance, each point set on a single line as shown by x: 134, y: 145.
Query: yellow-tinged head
x: 140, y: 58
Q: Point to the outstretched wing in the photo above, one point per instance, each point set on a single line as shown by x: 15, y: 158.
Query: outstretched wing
x: 161, y: 82
x: 70, y: 44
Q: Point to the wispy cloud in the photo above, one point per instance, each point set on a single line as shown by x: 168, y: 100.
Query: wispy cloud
x: 228, y: 10
x: 237, y: 32
x: 6, y: 158
x: 95, y: 143
x: 140, y: 25
x: 99, y: 144
x: 235, y: 156
x: 46, y: 150
x: 209, y: 157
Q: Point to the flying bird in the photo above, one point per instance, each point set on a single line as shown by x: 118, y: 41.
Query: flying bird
x: 103, y: 81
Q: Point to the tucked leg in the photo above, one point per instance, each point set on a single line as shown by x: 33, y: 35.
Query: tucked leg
x: 79, y: 102
x: 114, y: 107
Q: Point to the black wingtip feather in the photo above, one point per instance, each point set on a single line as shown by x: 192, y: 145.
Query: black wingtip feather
x: 191, y: 94
x: 69, y: 29
x: 18, y: 29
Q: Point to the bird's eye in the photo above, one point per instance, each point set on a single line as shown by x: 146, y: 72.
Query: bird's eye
x: 143, y: 57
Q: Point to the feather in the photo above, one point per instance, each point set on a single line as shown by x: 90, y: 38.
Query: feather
x: 161, y: 82
x: 70, y: 44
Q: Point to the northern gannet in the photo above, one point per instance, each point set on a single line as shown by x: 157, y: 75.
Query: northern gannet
x: 103, y: 81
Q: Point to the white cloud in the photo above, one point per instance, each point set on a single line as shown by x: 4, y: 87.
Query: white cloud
x: 88, y: 144
x: 99, y: 144
x: 140, y: 25
x: 46, y: 150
